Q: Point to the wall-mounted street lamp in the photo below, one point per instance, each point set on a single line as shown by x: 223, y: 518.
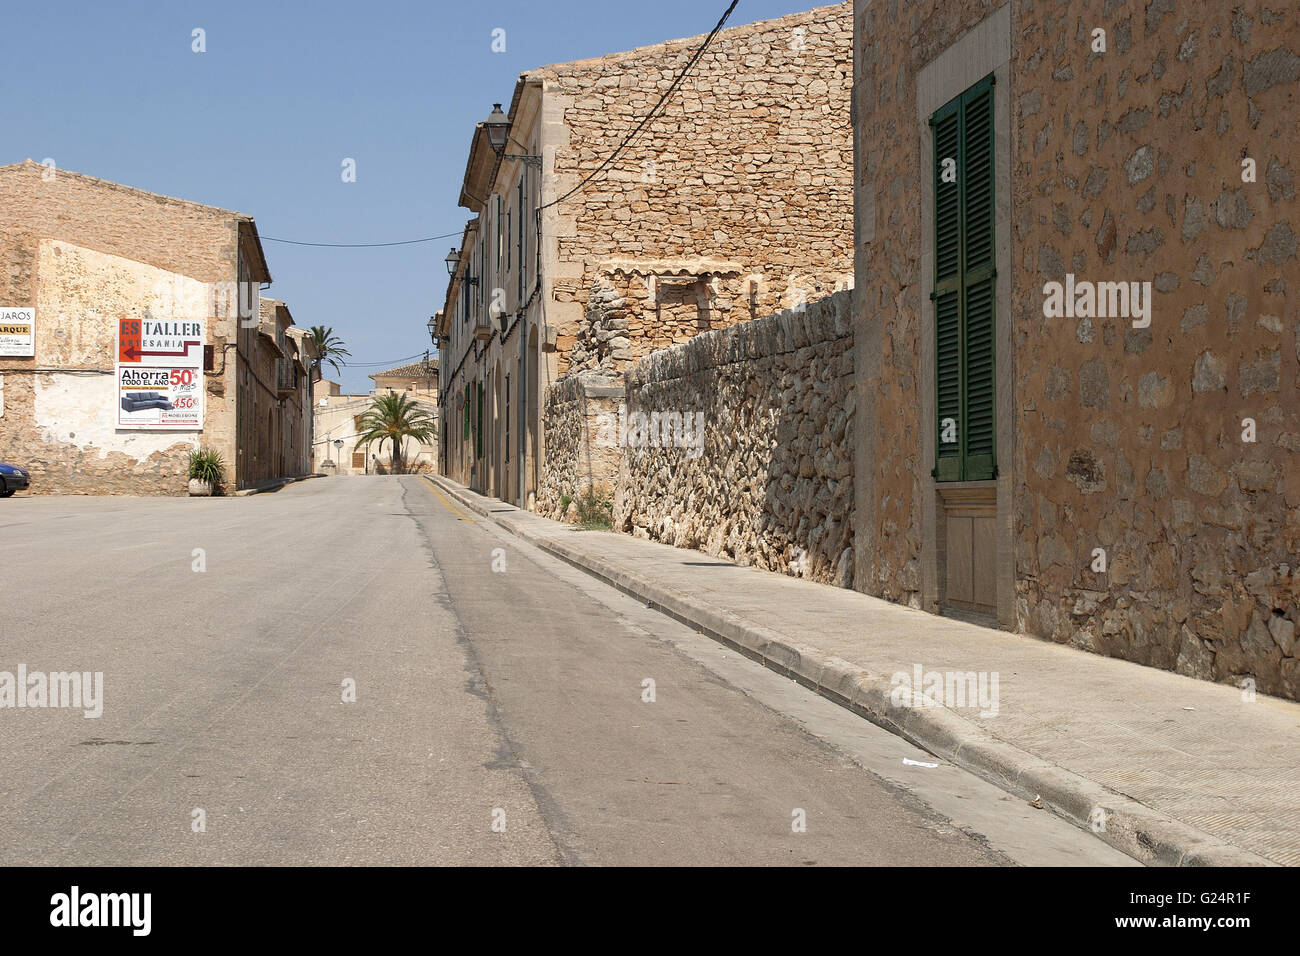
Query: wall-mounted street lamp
x: 453, y: 260
x: 433, y: 329
x: 498, y: 129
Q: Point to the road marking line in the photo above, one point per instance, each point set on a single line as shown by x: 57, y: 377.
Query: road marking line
x: 447, y: 504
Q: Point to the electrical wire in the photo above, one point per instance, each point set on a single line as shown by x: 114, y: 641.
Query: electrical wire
x: 393, y: 363
x: 651, y: 115
x: 361, y: 245
x: 576, y: 189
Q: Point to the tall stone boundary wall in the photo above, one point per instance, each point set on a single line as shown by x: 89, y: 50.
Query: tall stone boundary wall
x: 772, y: 482
x: 579, y: 454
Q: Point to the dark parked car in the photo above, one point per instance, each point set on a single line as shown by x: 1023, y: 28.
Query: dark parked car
x: 13, y: 478
x: 135, y: 402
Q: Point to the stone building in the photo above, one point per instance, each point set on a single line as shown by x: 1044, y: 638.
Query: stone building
x: 1075, y: 324
x: 419, y: 380
x: 733, y: 203
x: 1072, y: 407
x: 338, y: 419
x: 84, y: 258
x: 275, y: 398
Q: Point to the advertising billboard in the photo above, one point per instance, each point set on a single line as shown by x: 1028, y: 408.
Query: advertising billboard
x: 159, y: 374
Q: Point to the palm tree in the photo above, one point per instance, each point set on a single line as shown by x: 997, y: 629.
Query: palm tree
x: 393, y: 418
x: 329, y: 348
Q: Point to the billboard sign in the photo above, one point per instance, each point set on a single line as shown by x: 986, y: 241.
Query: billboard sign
x: 159, y: 374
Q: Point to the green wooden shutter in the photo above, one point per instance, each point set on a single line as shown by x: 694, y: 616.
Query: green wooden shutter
x: 947, y: 295
x: 465, y: 400
x: 523, y: 219
x: 478, y: 438
x: 964, y: 292
x: 978, y: 277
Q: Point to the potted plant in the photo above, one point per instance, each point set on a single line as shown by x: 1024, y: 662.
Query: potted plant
x: 206, y: 472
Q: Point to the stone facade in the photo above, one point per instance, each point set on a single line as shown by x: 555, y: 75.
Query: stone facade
x: 734, y: 203
x: 1128, y: 164
x: 771, y: 482
x: 86, y: 252
x: 275, y: 398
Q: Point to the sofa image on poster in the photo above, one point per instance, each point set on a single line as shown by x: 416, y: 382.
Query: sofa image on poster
x: 140, y: 401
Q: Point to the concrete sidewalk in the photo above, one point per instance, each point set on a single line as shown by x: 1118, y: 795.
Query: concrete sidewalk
x: 1181, y: 771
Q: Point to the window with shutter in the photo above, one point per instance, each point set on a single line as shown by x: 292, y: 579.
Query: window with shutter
x: 964, y: 277
x: 478, y: 437
x: 523, y: 219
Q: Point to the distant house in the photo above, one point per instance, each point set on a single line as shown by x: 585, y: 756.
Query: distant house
x: 338, y: 419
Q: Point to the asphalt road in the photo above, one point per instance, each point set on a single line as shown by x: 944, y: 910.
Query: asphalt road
x: 500, y: 712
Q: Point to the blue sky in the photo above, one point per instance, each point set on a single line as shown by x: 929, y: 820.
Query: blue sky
x: 262, y: 121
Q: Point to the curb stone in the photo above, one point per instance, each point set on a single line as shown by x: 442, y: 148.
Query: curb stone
x: 1143, y: 833
x: 273, y: 486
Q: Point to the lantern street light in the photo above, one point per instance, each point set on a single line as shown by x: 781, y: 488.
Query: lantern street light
x: 452, y: 260
x: 498, y: 129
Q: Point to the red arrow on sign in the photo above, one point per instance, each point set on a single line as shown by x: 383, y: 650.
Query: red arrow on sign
x: 134, y: 353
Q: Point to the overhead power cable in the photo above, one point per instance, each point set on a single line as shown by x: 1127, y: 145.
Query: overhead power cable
x: 394, y: 362
x: 627, y: 141
x: 361, y: 245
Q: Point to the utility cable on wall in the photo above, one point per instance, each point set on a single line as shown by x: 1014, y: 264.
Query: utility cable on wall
x: 627, y: 141
x: 651, y: 115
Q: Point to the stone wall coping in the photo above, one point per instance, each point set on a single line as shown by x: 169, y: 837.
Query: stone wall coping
x: 777, y: 334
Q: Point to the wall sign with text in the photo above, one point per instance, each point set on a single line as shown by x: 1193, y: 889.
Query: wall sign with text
x: 17, y: 332
x: 159, y: 374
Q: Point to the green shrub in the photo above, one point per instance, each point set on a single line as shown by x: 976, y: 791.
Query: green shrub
x: 596, y: 509
x: 206, y: 465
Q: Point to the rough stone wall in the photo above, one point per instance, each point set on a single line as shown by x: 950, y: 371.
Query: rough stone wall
x: 578, y: 455
x: 1126, y: 166
x: 84, y: 251
x: 61, y: 424
x: 773, y: 486
x: 746, y: 173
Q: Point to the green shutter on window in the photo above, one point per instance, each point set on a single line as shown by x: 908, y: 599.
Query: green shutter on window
x: 948, y: 375
x: 478, y: 438
x: 964, y: 289
x: 464, y: 400
x: 947, y: 295
x: 520, y: 240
